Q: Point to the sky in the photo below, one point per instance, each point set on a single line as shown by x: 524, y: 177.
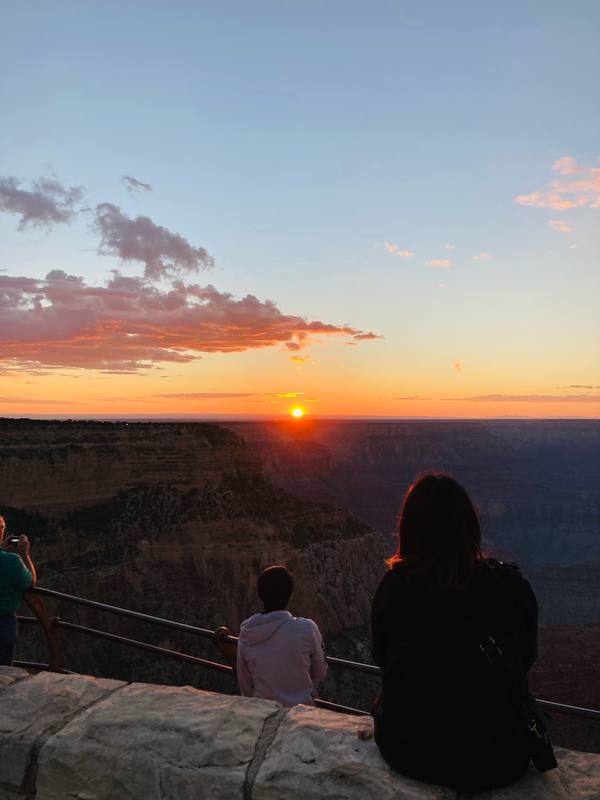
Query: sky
x: 380, y: 208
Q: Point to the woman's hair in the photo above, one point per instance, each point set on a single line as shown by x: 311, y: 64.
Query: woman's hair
x: 439, y: 535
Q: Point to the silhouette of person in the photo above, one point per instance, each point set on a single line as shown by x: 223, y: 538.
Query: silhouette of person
x: 17, y: 574
x: 455, y: 634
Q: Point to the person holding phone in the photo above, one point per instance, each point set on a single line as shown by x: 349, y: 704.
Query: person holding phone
x: 17, y: 574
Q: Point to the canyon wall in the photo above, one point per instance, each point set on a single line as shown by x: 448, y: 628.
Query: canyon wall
x: 536, y: 482
x: 177, y: 521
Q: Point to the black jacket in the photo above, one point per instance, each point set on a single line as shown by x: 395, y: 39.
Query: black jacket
x: 449, y: 715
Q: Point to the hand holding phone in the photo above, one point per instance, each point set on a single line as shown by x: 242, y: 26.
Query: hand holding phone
x: 23, y: 545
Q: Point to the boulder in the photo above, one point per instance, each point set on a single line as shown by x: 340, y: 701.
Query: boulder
x: 155, y: 742
x: 9, y: 675
x: 318, y: 754
x: 33, y: 709
x: 580, y: 773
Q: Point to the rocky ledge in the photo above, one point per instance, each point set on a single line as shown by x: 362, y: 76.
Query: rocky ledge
x: 73, y: 736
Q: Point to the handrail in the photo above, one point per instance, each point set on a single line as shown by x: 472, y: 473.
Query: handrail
x: 123, y: 612
x: 56, y: 660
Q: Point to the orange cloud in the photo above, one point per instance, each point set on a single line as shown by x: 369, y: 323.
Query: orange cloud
x: 560, y: 225
x: 482, y: 257
x: 130, y: 325
x: 394, y: 248
x: 565, y: 192
x: 439, y: 262
x: 530, y: 398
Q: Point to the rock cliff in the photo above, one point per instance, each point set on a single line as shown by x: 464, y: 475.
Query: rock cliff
x: 536, y: 482
x: 177, y: 521
x: 74, y: 736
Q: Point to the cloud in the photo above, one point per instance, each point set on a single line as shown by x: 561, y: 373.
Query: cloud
x: 206, y: 395
x: 133, y: 185
x: 274, y: 398
x: 164, y: 253
x: 34, y: 401
x: 300, y: 359
x: 457, y: 366
x: 394, y: 248
x: 578, y: 186
x: 362, y: 337
x: 411, y: 397
x: 439, y: 262
x: 560, y: 225
x: 47, y: 203
x: 530, y: 398
x: 449, y: 246
x: 581, y: 386
x: 482, y: 257
x: 129, y: 324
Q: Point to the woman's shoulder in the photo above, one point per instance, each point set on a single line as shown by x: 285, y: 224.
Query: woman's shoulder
x: 391, y: 582
x: 502, y: 574
x: 496, y: 567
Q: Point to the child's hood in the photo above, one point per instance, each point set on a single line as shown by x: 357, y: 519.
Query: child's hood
x: 260, y: 627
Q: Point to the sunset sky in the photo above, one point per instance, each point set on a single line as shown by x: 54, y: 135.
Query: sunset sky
x: 362, y: 208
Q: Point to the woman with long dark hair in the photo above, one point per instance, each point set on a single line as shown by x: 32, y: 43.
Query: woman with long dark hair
x: 454, y: 634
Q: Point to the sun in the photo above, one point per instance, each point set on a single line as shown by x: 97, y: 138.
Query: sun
x: 297, y: 412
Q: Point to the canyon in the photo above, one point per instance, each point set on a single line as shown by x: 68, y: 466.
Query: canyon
x: 178, y: 519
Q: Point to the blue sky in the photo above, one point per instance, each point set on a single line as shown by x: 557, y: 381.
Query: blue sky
x: 293, y: 139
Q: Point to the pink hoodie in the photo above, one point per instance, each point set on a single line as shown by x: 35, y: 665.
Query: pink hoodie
x: 280, y: 657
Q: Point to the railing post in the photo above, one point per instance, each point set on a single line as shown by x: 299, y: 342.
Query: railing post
x: 56, y: 660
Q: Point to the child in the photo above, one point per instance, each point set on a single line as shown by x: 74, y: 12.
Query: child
x: 279, y: 657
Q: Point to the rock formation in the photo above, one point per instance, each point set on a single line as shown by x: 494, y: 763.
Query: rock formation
x: 536, y: 482
x: 176, y: 521
x: 74, y: 736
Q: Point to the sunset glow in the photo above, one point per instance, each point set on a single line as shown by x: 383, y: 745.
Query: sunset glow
x: 259, y: 243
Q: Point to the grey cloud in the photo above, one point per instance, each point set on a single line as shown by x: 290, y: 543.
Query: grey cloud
x: 133, y: 185
x: 47, y: 203
x: 164, y: 253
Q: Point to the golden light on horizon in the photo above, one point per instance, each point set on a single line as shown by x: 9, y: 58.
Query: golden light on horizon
x: 297, y: 412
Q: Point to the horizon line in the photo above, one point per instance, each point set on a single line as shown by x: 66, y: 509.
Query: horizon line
x: 283, y: 417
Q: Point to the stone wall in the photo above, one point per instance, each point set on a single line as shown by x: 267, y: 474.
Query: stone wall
x: 73, y: 736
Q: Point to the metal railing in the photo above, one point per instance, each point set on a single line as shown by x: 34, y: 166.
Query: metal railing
x: 52, y: 625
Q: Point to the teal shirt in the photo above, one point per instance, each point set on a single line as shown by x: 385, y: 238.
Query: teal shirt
x: 15, y: 579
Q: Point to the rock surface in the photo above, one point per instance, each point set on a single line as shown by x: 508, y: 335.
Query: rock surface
x: 318, y: 754
x: 154, y: 742
x: 73, y: 736
x: 34, y: 708
x: 9, y: 675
